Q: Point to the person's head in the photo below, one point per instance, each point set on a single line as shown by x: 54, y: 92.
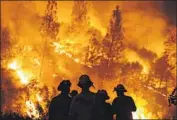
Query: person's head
x: 120, y: 89
x: 73, y: 93
x: 84, y: 82
x: 64, y: 86
x: 102, y: 95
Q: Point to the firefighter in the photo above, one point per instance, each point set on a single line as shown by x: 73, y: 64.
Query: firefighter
x: 172, y: 99
x: 101, y: 109
x: 73, y: 93
x: 82, y: 103
x: 123, y: 105
x: 59, y: 106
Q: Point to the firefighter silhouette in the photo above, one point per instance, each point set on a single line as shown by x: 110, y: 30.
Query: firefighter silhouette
x: 101, y: 110
x: 172, y: 99
x: 73, y: 93
x: 123, y: 105
x: 82, y: 103
x: 59, y: 106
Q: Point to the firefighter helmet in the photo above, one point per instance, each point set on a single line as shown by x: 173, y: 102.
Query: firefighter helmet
x: 84, y: 81
x: 120, y: 88
x: 64, y: 84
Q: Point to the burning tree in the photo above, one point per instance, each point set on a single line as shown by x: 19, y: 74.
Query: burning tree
x: 28, y: 98
x: 113, y: 41
x: 79, y: 14
x: 85, y: 49
x: 6, y: 43
x: 94, y: 52
x: 79, y: 17
x: 115, y: 36
x: 50, y: 26
x: 170, y: 51
x: 170, y: 58
x: 49, y: 31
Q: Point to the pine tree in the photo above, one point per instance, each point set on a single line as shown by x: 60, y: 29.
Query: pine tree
x: 79, y: 16
x: 50, y: 26
x: 5, y: 43
x: 113, y: 44
x: 113, y: 41
x: 79, y: 12
x: 94, y: 52
x: 49, y: 31
x: 170, y: 51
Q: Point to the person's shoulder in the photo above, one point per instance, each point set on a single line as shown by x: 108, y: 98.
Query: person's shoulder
x: 129, y: 97
x: 115, y: 99
x: 92, y: 93
x: 58, y: 96
x: 54, y: 100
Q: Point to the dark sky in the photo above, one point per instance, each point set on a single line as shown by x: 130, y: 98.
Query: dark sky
x: 170, y: 11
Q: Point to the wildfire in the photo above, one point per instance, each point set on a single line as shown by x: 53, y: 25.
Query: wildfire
x: 120, y: 40
x: 140, y: 114
x: 59, y: 48
x: 23, y: 75
x: 13, y: 65
x: 39, y: 98
x: 31, y: 109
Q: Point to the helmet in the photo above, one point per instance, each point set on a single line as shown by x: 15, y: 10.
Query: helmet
x: 64, y: 84
x: 84, y: 81
x: 120, y: 88
x: 103, y: 93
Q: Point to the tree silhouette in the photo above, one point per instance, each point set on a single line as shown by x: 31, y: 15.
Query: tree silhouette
x: 50, y: 26
x: 113, y: 41
x: 79, y: 17
x: 49, y: 31
x: 79, y: 13
x: 6, y: 43
x: 170, y: 51
x: 94, y: 52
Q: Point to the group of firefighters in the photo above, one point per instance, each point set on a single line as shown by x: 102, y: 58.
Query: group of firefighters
x: 88, y: 105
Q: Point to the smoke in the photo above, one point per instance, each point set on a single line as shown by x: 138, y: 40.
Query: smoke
x: 169, y: 8
x: 139, y: 21
x: 144, y: 25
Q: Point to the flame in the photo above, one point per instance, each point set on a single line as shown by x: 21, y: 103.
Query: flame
x: 39, y: 98
x: 31, y: 109
x: 13, y: 65
x: 132, y: 56
x: 23, y: 76
x: 65, y: 53
x: 60, y: 49
x: 140, y: 114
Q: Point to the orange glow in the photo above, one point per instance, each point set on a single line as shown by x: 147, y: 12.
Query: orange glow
x: 39, y: 52
x: 23, y: 75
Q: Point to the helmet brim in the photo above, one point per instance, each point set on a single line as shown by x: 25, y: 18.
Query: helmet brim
x: 120, y: 90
